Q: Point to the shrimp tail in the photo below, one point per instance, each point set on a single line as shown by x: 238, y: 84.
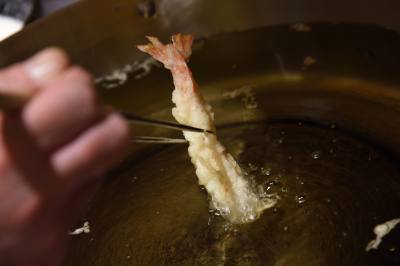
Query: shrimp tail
x: 183, y: 43
x: 170, y: 55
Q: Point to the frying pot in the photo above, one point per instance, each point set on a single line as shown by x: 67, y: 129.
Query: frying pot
x: 306, y: 97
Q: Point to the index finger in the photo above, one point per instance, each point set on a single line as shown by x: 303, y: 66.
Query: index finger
x: 24, y: 79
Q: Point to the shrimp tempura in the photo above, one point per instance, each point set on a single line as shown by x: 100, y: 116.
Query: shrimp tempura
x: 216, y: 169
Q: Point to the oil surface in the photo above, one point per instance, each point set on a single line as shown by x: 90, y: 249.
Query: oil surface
x: 333, y: 190
x: 318, y: 136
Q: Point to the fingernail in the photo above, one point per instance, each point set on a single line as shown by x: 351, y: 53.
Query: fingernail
x: 46, y: 64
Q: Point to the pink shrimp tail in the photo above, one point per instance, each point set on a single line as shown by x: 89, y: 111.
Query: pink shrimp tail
x: 170, y: 55
x: 183, y: 43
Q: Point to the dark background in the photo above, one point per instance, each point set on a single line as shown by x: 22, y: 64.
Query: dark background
x: 30, y: 10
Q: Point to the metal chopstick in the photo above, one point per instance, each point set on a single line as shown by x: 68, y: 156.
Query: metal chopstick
x: 158, y: 140
x: 165, y: 124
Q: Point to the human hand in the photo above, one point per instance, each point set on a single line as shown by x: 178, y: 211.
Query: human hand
x: 52, y: 156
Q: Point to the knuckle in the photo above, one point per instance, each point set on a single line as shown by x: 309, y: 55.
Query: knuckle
x: 29, y: 209
x: 79, y: 74
x: 23, y: 208
x: 85, y: 88
x: 58, y: 54
x: 88, y: 97
x: 120, y: 129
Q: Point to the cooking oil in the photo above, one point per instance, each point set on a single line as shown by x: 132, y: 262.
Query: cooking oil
x: 323, y: 140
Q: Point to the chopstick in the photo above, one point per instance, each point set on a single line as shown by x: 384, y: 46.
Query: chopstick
x: 158, y: 140
x: 164, y: 124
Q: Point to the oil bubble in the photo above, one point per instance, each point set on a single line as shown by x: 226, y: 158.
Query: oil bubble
x: 316, y: 155
x: 266, y: 171
x: 300, y: 199
x: 252, y: 167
